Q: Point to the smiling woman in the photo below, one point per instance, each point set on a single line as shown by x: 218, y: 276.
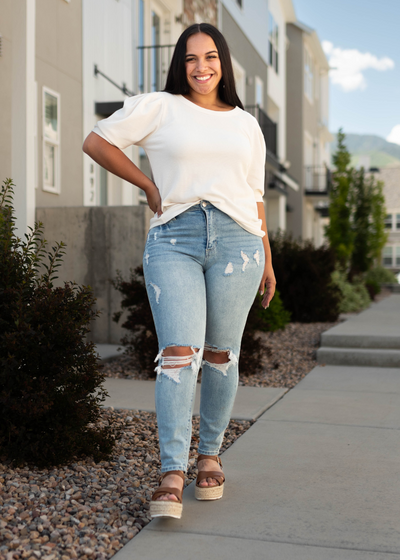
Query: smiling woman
x: 207, y: 251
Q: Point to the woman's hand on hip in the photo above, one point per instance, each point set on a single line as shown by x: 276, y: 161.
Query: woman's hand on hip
x: 154, y: 199
x: 267, y: 286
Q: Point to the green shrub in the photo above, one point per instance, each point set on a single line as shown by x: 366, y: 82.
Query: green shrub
x: 380, y: 275
x: 303, y: 274
x: 273, y: 318
x: 141, y: 338
x: 50, y: 384
x: 355, y: 295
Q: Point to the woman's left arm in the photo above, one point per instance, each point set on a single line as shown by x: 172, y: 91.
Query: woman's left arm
x: 268, y: 282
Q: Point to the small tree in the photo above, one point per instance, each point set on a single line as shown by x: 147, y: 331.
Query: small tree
x: 50, y: 383
x: 339, y: 231
x: 356, y: 231
x: 368, y: 223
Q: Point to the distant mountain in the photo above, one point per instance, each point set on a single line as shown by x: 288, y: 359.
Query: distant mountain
x: 370, y: 151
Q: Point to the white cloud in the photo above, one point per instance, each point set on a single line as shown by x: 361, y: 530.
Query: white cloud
x: 394, y: 135
x: 348, y: 66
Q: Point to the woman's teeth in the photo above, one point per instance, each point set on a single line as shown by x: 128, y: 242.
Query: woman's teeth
x: 202, y: 78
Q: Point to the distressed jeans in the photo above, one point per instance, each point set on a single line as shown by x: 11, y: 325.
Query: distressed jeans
x: 202, y: 272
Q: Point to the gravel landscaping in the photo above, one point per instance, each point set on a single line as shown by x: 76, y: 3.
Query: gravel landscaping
x: 88, y: 510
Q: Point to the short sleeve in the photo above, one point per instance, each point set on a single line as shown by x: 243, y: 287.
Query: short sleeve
x: 256, y: 176
x: 140, y: 116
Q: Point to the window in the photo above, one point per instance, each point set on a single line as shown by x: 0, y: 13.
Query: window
x: 308, y: 74
x: 398, y: 256
x: 141, y: 44
x: 388, y: 256
x: 398, y: 221
x: 388, y: 221
x: 259, y: 92
x: 51, y: 141
x: 273, y: 41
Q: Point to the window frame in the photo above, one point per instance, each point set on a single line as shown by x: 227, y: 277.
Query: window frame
x: 55, y: 143
x: 309, y: 72
x: 387, y: 249
x: 389, y: 222
x: 273, y: 42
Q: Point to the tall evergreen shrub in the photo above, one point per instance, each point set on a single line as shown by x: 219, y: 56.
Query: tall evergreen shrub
x: 50, y: 383
x: 303, y: 275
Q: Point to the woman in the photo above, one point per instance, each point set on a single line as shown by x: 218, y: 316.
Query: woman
x: 207, y: 250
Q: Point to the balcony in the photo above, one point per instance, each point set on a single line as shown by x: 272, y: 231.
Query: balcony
x: 153, y: 64
x: 317, y: 181
x: 269, y: 130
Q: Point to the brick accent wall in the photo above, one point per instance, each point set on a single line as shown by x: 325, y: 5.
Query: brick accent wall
x: 200, y: 11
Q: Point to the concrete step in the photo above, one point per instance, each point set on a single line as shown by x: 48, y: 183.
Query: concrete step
x: 345, y: 340
x: 373, y: 357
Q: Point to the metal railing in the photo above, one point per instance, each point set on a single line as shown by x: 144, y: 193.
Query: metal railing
x: 153, y: 64
x: 268, y: 127
x: 122, y: 88
x: 317, y: 179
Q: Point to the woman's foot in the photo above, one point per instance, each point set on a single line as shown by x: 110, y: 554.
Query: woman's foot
x: 167, y: 499
x: 171, y: 481
x: 208, y: 465
x: 210, y: 478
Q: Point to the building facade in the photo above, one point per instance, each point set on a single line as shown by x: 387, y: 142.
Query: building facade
x: 307, y: 132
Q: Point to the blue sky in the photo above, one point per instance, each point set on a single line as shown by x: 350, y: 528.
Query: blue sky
x: 372, y: 106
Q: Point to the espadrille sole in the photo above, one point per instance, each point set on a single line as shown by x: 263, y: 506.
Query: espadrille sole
x: 163, y: 508
x: 209, y: 492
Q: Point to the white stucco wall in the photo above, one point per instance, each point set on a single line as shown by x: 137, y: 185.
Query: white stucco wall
x: 276, y: 87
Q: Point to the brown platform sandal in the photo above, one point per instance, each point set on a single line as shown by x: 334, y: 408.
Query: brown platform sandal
x: 209, y: 492
x: 167, y: 508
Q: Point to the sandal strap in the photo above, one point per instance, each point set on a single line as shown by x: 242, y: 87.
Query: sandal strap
x: 211, y: 457
x: 165, y: 490
x: 217, y: 475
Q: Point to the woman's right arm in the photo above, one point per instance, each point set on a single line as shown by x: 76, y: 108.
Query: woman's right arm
x: 114, y: 160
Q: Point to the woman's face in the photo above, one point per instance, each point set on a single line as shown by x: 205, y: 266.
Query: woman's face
x: 203, y: 66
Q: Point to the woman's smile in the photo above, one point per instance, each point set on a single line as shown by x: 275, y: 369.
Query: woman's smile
x: 203, y: 66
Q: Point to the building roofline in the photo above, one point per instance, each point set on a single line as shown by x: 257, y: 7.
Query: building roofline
x: 316, y: 43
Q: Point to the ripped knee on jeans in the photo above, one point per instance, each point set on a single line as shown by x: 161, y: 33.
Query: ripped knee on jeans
x: 174, y: 358
x: 219, y: 360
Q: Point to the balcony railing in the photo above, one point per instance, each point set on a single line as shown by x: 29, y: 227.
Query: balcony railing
x: 153, y: 64
x: 317, y: 180
x: 268, y: 127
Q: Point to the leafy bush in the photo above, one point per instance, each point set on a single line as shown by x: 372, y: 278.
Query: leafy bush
x: 355, y: 295
x: 273, y: 318
x: 380, y: 275
x: 50, y: 384
x: 141, y: 340
x: 303, y: 274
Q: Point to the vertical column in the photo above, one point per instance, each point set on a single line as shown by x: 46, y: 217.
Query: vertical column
x: 23, y: 112
x: 282, y: 213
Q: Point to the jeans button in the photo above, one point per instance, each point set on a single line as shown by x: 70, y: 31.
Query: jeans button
x: 204, y: 204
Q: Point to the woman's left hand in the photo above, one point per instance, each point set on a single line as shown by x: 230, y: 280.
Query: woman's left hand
x: 267, y: 286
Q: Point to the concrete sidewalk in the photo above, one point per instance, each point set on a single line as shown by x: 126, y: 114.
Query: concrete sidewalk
x: 371, y: 338
x: 317, y: 477
x: 132, y: 394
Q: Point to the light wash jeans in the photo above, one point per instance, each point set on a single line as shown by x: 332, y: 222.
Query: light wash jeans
x: 202, y: 272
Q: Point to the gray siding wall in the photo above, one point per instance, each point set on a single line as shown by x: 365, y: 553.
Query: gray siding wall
x: 245, y: 54
x: 295, y: 127
x: 6, y: 26
x: 100, y: 241
x: 59, y: 67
